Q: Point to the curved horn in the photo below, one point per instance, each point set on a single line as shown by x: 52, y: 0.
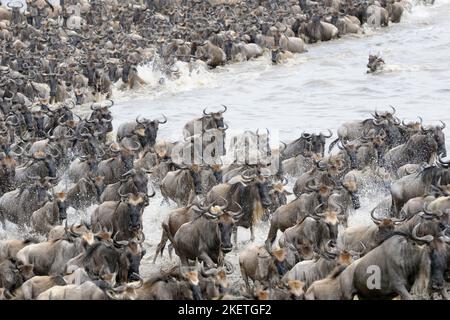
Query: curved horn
x: 238, y: 214
x: 205, y: 113
x: 393, y: 110
x: 428, y: 238
x: 372, y: 215
x: 164, y: 121
x: 443, y: 124
x: 330, y: 134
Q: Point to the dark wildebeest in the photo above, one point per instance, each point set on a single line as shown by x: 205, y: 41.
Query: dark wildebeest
x: 123, y: 218
x: 307, y: 143
x: 143, y: 131
x: 210, y: 120
x: 249, y: 192
x: 113, y: 169
x: 122, y: 258
x: 133, y: 181
x: 417, y: 268
x: 207, y: 238
x: 182, y: 185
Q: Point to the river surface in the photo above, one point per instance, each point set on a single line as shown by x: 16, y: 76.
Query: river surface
x: 319, y: 89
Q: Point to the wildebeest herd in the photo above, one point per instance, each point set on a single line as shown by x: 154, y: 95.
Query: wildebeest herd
x: 53, y: 61
x: 316, y: 254
x: 80, y: 49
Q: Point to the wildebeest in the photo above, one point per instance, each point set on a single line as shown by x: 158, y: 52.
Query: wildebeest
x: 52, y: 213
x: 210, y: 120
x: 417, y: 268
x: 123, y: 218
x: 207, y: 238
x: 249, y: 192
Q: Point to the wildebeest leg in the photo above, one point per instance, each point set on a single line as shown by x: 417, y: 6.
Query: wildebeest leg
x: 206, y: 259
x: 3, y: 221
x: 401, y: 290
x: 235, y: 235
x: 161, y: 245
x: 445, y: 294
x: 252, y: 234
x: 170, y: 250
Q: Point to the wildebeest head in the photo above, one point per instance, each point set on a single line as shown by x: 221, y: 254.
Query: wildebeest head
x: 147, y: 130
x: 62, y: 205
x: 126, y: 154
x: 436, y: 249
x: 317, y: 143
x: 135, y: 205
x: 278, y: 195
x: 217, y: 117
x: 225, y: 222
x: 256, y: 187
x: 138, y: 178
x: 375, y: 62
x: 331, y: 218
x: 439, y: 137
x: 386, y: 226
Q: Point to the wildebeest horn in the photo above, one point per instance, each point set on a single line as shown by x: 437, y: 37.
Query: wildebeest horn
x: 109, y: 104
x: 153, y: 194
x: 427, y: 238
x: 113, y: 148
x: 393, y: 110
x: 430, y: 213
x: 372, y: 215
x: 358, y: 253
x: 136, y: 148
x: 224, y: 206
x: 225, y: 108
x: 141, y: 121
x: 442, y: 162
x: 306, y: 135
x: 238, y: 214
x: 443, y: 124
x: 131, y: 172
x: 164, y: 121
x: 206, y: 113
x: 316, y: 213
x: 330, y: 134
x: 310, y: 187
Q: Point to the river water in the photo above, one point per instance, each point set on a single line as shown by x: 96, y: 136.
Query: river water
x: 319, y: 89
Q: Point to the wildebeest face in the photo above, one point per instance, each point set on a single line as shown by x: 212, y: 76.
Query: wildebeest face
x: 195, y: 174
x: 440, y: 140
x: 263, y: 190
x: 438, y: 257
x: 275, y: 53
x: 127, y: 158
x: 225, y: 224
x: 151, y: 132
x: 62, y: 206
x: 51, y: 166
x: 135, y: 208
x: 134, y: 254
x: 218, y: 119
x: 126, y: 72
x: 318, y: 144
x: 140, y: 180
